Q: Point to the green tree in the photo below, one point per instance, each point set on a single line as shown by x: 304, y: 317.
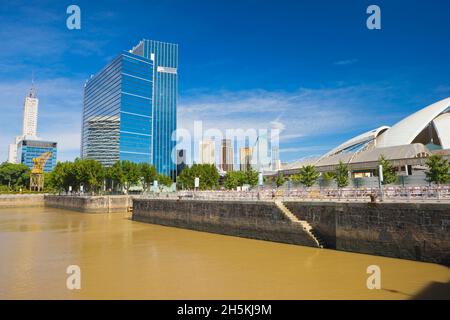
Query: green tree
x: 329, y: 176
x: 234, y: 179
x: 307, y: 176
x: 148, y: 175
x: 342, y: 175
x: 115, y: 176
x: 185, y: 179
x: 251, y: 177
x: 280, y: 180
x: 389, y: 175
x: 62, y: 176
x: 207, y: 173
x: 209, y: 176
x: 14, y: 176
x: 90, y: 174
x: 131, y: 174
x: 164, y: 180
x: 438, y: 169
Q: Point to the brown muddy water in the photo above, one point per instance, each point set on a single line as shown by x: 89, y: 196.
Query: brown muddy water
x: 123, y: 259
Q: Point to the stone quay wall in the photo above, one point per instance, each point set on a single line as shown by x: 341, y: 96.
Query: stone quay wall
x: 90, y: 204
x: 21, y: 200
x: 249, y: 219
x: 415, y: 231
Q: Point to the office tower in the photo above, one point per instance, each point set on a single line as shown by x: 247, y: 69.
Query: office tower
x: 136, y: 97
x: 30, y: 113
x: 245, y: 157
x: 207, y: 152
x: 276, y: 163
x: 27, y: 149
x: 181, y: 160
x: 227, y: 155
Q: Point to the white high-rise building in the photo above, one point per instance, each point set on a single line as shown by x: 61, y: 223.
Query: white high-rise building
x: 30, y: 113
x: 29, y: 124
x: 207, y: 152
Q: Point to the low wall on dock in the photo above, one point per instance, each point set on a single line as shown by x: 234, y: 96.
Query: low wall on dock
x: 250, y: 219
x: 21, y: 200
x: 90, y: 204
x: 415, y: 231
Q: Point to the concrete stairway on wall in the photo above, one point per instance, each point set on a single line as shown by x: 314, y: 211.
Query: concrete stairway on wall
x: 303, y: 223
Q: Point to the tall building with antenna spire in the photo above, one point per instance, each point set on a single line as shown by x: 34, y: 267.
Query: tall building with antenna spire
x: 30, y: 113
x: 28, y: 146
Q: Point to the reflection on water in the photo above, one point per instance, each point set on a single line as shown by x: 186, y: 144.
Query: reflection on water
x: 123, y: 259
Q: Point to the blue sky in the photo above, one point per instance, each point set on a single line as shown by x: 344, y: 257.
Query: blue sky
x: 312, y: 67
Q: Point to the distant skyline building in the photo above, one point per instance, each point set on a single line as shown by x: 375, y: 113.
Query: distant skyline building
x: 28, y: 145
x: 207, y: 152
x: 276, y: 162
x: 260, y: 157
x: 12, y: 150
x: 29, y: 123
x: 129, y: 110
x: 227, y: 155
x: 245, y: 157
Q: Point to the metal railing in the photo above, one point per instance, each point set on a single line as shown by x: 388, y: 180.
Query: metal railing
x: 395, y: 193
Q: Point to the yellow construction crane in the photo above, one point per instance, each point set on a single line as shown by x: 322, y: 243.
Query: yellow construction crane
x: 37, y: 172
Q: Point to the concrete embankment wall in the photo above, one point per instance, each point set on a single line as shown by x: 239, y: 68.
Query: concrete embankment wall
x: 249, y: 219
x: 21, y: 200
x: 416, y: 231
x: 90, y: 204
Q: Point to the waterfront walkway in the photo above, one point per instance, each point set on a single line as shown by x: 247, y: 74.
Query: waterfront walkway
x: 389, y: 194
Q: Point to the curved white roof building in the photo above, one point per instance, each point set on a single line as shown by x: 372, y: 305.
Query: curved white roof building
x: 412, y: 128
x: 357, y: 142
x: 411, y: 138
x: 442, y: 127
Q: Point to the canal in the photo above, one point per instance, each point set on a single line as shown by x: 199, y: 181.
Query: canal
x: 123, y: 259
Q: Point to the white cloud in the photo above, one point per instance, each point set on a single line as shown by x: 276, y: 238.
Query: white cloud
x: 302, y: 113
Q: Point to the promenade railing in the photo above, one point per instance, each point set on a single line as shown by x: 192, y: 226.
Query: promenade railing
x: 388, y: 193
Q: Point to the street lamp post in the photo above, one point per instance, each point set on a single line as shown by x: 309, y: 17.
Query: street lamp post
x: 380, y: 181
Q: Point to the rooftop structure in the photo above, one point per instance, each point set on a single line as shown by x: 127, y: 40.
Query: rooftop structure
x: 406, y: 144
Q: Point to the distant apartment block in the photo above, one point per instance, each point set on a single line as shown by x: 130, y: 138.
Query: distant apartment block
x: 227, y: 155
x: 245, y: 158
x: 207, y: 152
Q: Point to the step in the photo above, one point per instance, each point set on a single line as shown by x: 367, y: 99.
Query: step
x: 304, y: 224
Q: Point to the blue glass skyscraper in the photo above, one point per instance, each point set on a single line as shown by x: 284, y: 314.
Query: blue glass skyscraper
x: 130, y: 108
